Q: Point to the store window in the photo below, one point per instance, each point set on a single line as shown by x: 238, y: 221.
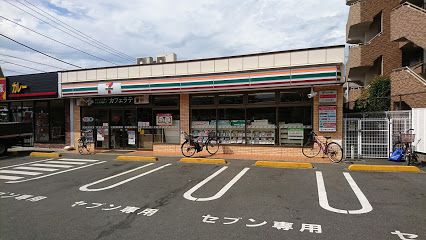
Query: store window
x: 16, y: 111
x: 202, y: 100
x: 294, y: 95
x: 203, y: 122
x: 231, y: 99
x: 166, y: 101
x: 4, y: 112
x: 41, y: 114
x: 57, y: 121
x: 231, y: 126
x: 261, y: 125
x: 27, y: 112
x: 167, y: 125
x: 102, y: 128
x: 145, y: 128
x: 295, y: 124
x: 262, y: 97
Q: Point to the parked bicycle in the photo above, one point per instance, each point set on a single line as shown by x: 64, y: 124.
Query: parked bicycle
x: 195, y: 144
x: 405, y: 144
x: 84, y: 145
x: 314, y: 146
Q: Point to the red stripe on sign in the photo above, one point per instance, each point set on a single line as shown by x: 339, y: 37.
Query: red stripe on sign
x: 328, y: 96
x: 40, y: 94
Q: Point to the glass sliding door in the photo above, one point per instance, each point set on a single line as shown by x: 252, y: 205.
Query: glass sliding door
x: 124, y: 129
x: 117, y: 130
x: 130, y: 129
x: 102, y: 128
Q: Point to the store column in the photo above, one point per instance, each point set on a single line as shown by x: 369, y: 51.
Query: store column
x: 328, y: 112
x: 184, y: 113
x: 76, y: 122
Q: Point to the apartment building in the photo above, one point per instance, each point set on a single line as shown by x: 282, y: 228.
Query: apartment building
x: 388, y: 37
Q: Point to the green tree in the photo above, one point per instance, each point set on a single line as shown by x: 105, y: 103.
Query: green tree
x: 375, y: 97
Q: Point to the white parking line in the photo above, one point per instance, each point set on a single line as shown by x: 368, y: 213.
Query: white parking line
x: 85, y: 188
x: 37, y: 169
x: 51, y: 165
x: 323, y: 201
x: 188, y: 194
x: 20, y: 172
x: 22, y: 164
x: 4, y: 177
x: 55, y: 173
x: 67, y: 162
x: 77, y: 160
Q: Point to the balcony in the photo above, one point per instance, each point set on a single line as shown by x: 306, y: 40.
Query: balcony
x: 409, y: 85
x: 408, y: 23
x: 357, y: 23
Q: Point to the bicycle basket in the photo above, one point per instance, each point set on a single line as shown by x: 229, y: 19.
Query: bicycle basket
x: 407, y: 137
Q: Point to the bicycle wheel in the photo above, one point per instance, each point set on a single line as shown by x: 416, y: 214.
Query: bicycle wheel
x: 188, y: 149
x: 311, y: 149
x: 334, y: 152
x: 212, y: 146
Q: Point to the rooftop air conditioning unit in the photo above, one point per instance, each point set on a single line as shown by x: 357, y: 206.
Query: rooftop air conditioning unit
x: 171, y: 57
x: 145, y: 60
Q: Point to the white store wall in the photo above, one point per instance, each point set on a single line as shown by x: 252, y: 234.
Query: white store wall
x: 419, y: 126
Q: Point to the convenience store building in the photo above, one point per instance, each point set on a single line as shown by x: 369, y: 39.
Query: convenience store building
x: 264, y: 103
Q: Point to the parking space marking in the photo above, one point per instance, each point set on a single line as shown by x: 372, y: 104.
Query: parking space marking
x: 323, y: 200
x: 188, y: 194
x: 28, y: 163
x: 20, y: 172
x: 37, y: 169
x: 66, y: 162
x: 77, y: 160
x: 86, y: 188
x: 40, y: 167
x: 4, y: 177
x: 51, y: 165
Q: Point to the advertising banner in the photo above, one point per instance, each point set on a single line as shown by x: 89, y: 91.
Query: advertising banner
x: 164, y: 119
x: 2, y: 89
x: 327, y: 118
x: 328, y: 97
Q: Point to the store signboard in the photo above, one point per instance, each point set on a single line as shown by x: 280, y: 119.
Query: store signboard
x: 41, y: 85
x: 106, y: 101
x: 295, y: 133
x: 109, y: 88
x: 164, y: 119
x: 328, y: 97
x: 2, y: 89
x: 327, y: 118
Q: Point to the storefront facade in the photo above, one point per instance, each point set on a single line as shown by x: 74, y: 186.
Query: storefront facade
x: 260, y: 102
x: 34, y: 99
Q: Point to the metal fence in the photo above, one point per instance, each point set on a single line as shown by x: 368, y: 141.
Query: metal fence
x: 371, y: 135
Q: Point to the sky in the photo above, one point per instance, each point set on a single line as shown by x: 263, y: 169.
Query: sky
x: 116, y: 32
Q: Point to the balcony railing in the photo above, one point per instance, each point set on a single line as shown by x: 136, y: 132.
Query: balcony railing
x: 408, y: 23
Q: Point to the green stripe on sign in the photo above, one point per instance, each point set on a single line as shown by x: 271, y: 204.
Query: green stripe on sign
x: 135, y: 86
x: 314, y: 75
x: 165, y: 85
x: 270, y: 78
x: 242, y: 80
x: 184, y: 84
x: 79, y: 89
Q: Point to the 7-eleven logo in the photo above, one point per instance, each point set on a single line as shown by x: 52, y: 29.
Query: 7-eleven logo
x: 109, y: 88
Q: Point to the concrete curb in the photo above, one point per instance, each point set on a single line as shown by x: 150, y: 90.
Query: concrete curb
x: 45, y: 154
x: 136, y: 158
x: 203, y: 160
x: 383, y: 168
x: 283, y: 164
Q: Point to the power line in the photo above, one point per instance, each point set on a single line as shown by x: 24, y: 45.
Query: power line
x: 69, y: 27
x: 6, y: 55
x: 45, y: 54
x: 57, y: 41
x: 13, y: 71
x: 60, y: 29
x: 16, y: 64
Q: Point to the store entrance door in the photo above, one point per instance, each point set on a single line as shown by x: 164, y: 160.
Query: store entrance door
x: 123, y: 129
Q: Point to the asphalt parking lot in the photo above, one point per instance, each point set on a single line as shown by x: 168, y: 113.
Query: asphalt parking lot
x: 97, y: 197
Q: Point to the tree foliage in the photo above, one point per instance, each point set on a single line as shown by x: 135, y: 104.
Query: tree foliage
x: 376, y: 96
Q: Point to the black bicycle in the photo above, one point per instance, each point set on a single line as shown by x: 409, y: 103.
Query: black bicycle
x: 191, y: 145
x: 405, y: 142
x: 84, y: 145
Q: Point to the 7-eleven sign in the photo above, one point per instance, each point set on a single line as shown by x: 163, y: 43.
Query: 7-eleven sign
x: 109, y: 88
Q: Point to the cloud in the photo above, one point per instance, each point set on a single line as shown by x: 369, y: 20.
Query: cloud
x: 190, y: 28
